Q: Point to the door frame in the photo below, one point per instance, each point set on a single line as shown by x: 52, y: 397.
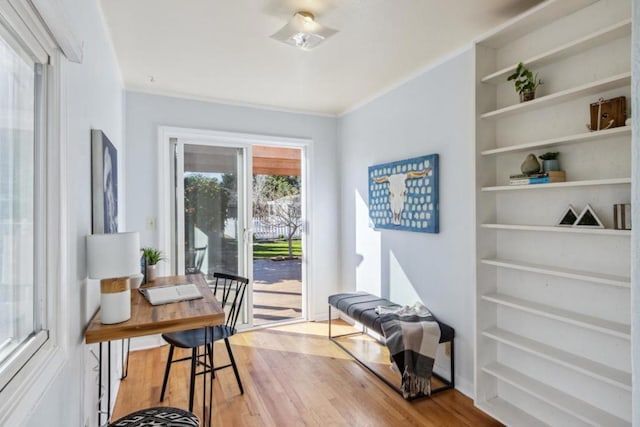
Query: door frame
x: 233, y: 139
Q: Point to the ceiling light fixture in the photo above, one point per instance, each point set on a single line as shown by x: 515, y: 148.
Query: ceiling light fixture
x: 303, y: 32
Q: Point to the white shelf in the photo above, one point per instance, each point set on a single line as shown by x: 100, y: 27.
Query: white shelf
x: 588, y: 276
x: 608, y: 327
x: 567, y: 184
x: 592, y: 88
x: 569, y: 360
x: 531, y: 20
x: 589, y: 41
x: 570, y: 139
x: 577, y: 408
x: 508, y: 414
x: 551, y: 229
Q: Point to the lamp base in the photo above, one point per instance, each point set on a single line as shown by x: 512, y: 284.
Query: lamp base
x: 115, y: 300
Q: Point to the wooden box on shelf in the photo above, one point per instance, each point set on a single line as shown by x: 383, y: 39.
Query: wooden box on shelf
x: 609, y: 113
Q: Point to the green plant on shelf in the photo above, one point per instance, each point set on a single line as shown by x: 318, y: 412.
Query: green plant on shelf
x: 525, y: 82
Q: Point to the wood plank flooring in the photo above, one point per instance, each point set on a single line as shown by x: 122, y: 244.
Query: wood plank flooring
x: 292, y: 376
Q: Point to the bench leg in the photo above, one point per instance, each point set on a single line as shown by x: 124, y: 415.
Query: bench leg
x: 450, y: 383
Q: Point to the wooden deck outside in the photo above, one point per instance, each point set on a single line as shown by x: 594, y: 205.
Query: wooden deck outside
x: 277, y: 291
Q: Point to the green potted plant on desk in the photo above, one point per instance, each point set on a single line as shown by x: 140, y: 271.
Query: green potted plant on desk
x: 152, y: 257
x: 526, y: 82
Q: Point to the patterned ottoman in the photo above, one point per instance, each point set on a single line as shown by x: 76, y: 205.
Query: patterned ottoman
x: 158, y: 417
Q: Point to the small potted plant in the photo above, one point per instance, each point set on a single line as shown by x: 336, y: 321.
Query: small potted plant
x: 152, y: 257
x: 550, y: 161
x: 526, y: 82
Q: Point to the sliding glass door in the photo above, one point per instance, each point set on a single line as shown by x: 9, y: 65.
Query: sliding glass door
x: 211, y: 215
x: 239, y: 208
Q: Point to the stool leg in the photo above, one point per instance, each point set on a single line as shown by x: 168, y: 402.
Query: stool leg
x: 233, y: 365
x: 166, y: 373
x: 192, y: 383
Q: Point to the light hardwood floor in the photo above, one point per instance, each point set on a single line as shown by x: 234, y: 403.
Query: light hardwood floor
x: 292, y: 376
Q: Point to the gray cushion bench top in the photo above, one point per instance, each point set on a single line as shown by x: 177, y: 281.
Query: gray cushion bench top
x: 361, y: 306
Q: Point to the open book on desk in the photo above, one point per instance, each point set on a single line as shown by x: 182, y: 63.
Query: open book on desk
x: 158, y: 295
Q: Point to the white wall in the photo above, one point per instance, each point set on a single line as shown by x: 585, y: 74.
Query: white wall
x: 93, y: 98
x: 432, y: 113
x: 145, y: 113
x: 635, y: 200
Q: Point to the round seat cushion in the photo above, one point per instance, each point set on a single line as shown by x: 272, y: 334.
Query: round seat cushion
x: 162, y: 416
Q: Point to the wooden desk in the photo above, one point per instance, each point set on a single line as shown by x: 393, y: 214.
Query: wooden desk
x: 149, y: 320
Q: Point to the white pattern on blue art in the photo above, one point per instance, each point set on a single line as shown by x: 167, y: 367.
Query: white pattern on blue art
x: 397, y: 194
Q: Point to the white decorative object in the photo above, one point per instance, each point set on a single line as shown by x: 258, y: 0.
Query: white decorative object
x: 136, y: 280
x: 568, y: 218
x: 588, y: 218
x: 113, y: 258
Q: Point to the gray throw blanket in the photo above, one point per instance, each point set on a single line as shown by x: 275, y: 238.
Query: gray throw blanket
x: 412, y: 335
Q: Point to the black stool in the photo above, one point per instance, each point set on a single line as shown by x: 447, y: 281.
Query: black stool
x: 161, y: 416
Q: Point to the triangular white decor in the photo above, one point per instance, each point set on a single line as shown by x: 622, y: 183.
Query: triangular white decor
x: 588, y: 219
x: 568, y: 218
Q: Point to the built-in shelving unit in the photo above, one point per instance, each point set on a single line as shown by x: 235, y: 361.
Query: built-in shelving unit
x: 587, y: 276
x: 553, y: 334
x: 569, y: 360
x: 589, y: 41
x: 582, y: 411
x: 589, y: 183
x: 590, y: 322
x: 512, y: 415
x: 557, y: 142
x: 593, y: 88
x: 553, y: 229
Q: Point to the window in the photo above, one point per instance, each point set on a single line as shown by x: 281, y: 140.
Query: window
x: 22, y: 205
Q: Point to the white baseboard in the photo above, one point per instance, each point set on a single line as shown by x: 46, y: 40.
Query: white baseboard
x: 465, y: 387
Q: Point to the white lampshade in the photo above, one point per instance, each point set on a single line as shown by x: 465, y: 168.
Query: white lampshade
x: 112, y: 258
x: 113, y: 255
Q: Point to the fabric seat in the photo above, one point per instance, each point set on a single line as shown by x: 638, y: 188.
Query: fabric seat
x: 159, y: 416
x: 361, y: 306
x: 205, y: 337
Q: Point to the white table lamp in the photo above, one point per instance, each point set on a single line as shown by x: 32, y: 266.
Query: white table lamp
x: 113, y: 258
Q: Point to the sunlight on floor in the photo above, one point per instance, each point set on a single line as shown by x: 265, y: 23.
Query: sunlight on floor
x: 317, y: 343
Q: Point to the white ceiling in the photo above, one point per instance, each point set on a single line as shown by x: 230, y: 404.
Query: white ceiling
x: 220, y: 49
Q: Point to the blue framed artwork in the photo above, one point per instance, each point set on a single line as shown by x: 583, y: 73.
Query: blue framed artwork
x: 104, y: 183
x: 403, y: 195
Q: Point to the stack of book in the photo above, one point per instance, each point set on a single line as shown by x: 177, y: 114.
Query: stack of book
x: 537, y: 178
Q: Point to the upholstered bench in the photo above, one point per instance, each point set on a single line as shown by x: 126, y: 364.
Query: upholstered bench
x: 361, y: 307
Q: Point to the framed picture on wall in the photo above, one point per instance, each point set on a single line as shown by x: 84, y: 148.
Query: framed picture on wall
x: 104, y: 183
x: 403, y: 195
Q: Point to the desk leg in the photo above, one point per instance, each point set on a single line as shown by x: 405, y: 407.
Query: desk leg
x: 99, y: 384
x: 107, y: 412
x: 109, y: 382
x: 125, y: 362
